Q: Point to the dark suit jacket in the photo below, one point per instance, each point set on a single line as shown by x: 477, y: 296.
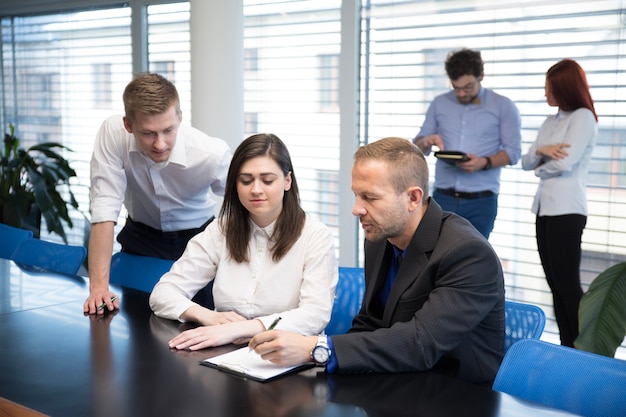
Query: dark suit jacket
x: 445, y: 310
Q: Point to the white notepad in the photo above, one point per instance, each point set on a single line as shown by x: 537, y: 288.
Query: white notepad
x: 248, y: 364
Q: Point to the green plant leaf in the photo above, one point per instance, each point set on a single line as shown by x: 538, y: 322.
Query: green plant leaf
x: 602, y: 312
x: 38, y: 177
x: 53, y: 207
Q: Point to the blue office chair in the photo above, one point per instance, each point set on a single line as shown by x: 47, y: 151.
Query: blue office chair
x: 10, y: 238
x: 138, y: 272
x: 50, y: 256
x: 523, y: 321
x: 348, y: 299
x: 561, y: 377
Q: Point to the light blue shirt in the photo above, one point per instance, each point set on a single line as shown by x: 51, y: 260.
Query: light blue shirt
x: 482, y: 129
x: 563, y: 182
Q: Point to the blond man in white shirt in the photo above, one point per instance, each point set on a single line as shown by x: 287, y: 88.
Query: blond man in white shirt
x: 161, y: 171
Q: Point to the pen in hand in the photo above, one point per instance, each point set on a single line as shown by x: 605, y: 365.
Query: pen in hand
x: 274, y: 323
x: 105, y: 304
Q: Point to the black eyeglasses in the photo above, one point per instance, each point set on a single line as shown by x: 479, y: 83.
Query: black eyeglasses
x: 466, y: 89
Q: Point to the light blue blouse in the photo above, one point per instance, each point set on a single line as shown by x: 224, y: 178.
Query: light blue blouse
x: 563, y: 183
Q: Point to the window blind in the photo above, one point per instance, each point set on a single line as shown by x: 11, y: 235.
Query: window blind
x: 291, y: 90
x: 169, y: 48
x: 63, y: 73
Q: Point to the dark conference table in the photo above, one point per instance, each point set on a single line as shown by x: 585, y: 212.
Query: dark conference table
x: 57, y: 361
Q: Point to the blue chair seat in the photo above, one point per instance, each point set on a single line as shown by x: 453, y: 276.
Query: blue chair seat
x: 10, y: 238
x: 50, y: 256
x: 138, y: 272
x: 561, y: 377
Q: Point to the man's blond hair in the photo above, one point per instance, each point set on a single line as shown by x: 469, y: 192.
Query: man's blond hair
x: 150, y: 93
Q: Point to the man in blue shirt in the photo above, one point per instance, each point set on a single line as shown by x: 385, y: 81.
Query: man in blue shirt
x: 484, y: 125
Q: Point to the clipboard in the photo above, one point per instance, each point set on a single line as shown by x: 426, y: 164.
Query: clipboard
x: 249, y: 365
x: 452, y: 157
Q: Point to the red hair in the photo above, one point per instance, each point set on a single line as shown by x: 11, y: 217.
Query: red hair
x: 568, y: 85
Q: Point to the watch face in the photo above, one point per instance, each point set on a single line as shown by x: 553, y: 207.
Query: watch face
x: 321, y: 354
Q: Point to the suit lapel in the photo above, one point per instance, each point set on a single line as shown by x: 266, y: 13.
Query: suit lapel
x: 378, y: 255
x: 416, y: 257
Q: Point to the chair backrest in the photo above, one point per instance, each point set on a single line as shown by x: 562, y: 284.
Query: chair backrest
x: 51, y: 256
x: 523, y: 321
x: 10, y: 238
x: 138, y: 272
x: 565, y: 378
x: 348, y: 299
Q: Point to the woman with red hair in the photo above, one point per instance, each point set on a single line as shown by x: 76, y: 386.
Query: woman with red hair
x: 560, y: 158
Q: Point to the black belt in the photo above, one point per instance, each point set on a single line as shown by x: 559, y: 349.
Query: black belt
x: 186, y: 234
x: 460, y: 194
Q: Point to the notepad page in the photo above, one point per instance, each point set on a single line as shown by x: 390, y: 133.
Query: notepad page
x: 248, y: 362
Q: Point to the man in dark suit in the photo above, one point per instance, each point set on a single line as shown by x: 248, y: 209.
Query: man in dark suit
x: 434, y: 296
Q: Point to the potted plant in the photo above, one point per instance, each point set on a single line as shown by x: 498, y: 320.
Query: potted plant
x: 602, y: 312
x: 31, y: 182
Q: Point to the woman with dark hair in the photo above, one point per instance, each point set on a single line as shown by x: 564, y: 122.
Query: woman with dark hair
x: 560, y: 158
x: 266, y: 257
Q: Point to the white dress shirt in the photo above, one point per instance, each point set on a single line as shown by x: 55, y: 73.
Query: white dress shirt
x: 169, y: 196
x: 563, y: 182
x: 300, y: 287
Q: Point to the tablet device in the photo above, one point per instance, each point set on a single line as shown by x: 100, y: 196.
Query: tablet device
x: 452, y: 157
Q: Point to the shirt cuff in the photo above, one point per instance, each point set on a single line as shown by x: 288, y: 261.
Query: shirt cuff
x: 267, y: 320
x: 332, y: 365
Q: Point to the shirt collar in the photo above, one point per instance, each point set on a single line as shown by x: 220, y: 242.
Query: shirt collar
x: 267, y: 230
x: 397, y: 251
x: 562, y: 113
x: 179, y: 154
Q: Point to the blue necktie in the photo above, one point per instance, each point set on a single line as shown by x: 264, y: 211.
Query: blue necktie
x: 391, y: 275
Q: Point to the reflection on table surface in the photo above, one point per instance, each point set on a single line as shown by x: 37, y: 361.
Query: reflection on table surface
x: 61, y: 363
x: 23, y: 287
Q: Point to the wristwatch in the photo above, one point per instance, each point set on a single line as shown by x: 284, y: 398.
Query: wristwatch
x: 487, y: 166
x: 321, y: 352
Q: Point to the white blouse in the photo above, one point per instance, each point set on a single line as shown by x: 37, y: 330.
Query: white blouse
x: 300, y: 287
x: 563, y: 183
